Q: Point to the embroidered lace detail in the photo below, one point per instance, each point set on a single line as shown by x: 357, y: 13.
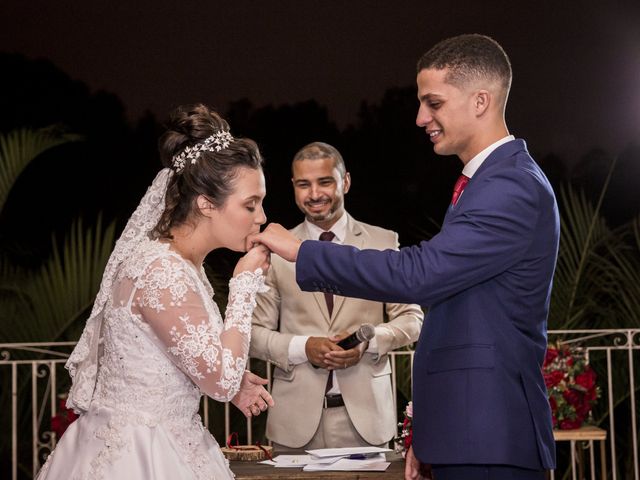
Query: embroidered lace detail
x: 85, y: 355
x: 173, y: 298
x: 114, y: 442
x: 242, y: 299
x: 197, y: 342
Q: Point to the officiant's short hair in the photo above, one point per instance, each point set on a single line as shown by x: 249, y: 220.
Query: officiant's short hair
x: 317, y: 150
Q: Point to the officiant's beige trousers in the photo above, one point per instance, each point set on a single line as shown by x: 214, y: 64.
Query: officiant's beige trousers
x: 334, y: 431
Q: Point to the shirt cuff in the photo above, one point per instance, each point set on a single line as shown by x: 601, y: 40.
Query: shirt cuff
x: 297, y: 353
x: 373, y: 343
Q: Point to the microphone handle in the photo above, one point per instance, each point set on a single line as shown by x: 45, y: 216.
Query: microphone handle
x: 349, y: 342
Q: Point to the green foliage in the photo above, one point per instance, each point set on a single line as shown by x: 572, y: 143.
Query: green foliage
x: 53, y: 301
x: 42, y: 304
x: 597, y: 281
x: 18, y: 148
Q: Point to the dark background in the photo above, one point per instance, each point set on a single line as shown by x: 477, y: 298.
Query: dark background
x: 292, y: 71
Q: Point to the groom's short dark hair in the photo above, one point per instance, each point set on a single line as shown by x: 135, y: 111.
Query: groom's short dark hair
x: 469, y: 57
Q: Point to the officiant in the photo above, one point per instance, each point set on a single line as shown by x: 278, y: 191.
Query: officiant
x: 345, y: 400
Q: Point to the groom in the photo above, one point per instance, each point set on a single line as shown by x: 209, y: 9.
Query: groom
x: 480, y: 404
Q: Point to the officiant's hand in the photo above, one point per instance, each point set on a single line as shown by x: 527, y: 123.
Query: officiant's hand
x: 252, y: 398
x: 316, y: 348
x: 277, y: 239
x: 413, y: 469
x: 339, y: 359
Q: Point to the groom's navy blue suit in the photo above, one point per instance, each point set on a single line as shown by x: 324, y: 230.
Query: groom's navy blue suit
x: 478, y: 392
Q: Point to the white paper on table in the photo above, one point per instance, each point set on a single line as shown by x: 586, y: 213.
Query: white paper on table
x: 293, y: 461
x: 345, y: 452
x: 268, y: 462
x: 347, y: 465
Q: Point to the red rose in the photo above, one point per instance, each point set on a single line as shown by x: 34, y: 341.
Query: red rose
x: 408, y: 439
x: 72, y: 416
x: 586, y: 379
x: 61, y: 421
x: 592, y: 394
x: 554, y: 378
x: 572, y: 397
x: 569, y: 361
x: 57, y: 426
x: 584, y: 408
x: 550, y: 356
x: 552, y: 403
x: 570, y: 424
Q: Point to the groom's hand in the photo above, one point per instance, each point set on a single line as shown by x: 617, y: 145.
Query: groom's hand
x: 277, y: 239
x: 413, y: 469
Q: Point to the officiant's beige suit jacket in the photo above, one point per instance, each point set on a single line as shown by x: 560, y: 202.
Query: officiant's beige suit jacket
x: 298, y: 390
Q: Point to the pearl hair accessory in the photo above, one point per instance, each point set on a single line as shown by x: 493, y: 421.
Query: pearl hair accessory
x: 213, y: 143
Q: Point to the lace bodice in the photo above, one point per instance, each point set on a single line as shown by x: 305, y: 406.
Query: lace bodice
x: 163, y: 338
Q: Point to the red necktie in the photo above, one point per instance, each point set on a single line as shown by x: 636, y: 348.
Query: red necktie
x: 327, y: 237
x: 458, y: 188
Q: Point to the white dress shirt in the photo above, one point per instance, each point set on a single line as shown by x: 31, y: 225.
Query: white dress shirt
x: 297, y: 353
x: 473, y: 165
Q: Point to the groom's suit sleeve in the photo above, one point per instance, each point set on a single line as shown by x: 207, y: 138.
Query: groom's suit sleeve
x: 486, y: 239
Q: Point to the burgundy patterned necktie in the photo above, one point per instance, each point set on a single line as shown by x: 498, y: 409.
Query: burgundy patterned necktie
x: 327, y: 237
x: 328, y: 297
x: 458, y: 188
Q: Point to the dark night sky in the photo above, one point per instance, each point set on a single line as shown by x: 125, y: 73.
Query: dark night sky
x: 576, y: 63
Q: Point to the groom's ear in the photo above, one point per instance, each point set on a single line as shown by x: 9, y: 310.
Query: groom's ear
x: 482, y: 101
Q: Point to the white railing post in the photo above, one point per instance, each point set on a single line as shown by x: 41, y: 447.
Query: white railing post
x: 38, y: 357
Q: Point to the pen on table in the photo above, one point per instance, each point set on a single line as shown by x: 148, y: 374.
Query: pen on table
x: 361, y: 456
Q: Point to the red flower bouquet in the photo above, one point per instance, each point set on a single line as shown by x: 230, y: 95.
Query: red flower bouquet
x: 65, y: 417
x: 571, y: 384
x: 403, y: 440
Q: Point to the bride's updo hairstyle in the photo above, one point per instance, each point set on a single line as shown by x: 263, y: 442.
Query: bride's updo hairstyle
x: 205, y: 159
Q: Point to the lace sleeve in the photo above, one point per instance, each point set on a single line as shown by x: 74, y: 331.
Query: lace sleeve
x: 173, y: 301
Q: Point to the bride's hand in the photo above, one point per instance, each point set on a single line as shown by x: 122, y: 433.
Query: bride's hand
x: 256, y: 257
x: 252, y: 398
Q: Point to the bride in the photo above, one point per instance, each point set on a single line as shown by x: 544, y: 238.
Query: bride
x: 155, y: 340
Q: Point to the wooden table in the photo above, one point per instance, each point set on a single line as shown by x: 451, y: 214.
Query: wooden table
x: 584, y: 434
x: 256, y: 471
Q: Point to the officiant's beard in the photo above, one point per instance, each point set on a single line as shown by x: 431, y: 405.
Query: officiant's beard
x: 333, y: 214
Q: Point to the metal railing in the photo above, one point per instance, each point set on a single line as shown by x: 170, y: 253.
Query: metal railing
x: 32, y: 378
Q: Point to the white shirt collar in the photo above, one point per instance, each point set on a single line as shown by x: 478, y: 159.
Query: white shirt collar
x: 339, y: 229
x: 473, y: 165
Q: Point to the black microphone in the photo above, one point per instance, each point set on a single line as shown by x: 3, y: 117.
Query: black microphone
x: 365, y: 333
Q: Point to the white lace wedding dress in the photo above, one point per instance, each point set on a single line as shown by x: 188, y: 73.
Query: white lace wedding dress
x: 162, y: 345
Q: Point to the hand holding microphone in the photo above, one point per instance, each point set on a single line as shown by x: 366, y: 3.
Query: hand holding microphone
x: 339, y: 359
x: 365, y: 333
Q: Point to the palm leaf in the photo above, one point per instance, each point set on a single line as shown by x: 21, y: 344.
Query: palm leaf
x: 18, y: 148
x: 624, y: 284
x: 63, y: 289
x: 585, y: 268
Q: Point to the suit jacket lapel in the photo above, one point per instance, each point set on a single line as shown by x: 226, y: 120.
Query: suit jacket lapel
x: 503, y: 151
x: 301, y: 232
x: 355, y: 238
